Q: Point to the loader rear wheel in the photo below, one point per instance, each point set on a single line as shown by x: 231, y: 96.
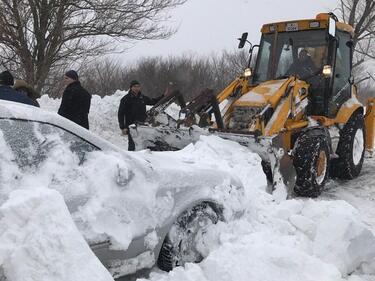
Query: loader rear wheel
x: 311, y: 162
x: 351, y: 149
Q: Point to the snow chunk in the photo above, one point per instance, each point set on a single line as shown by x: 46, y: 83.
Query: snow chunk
x: 341, y: 238
x: 40, y: 242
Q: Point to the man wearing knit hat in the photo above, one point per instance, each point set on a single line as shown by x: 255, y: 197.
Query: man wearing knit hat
x: 8, y: 93
x: 132, y: 109
x: 76, y: 101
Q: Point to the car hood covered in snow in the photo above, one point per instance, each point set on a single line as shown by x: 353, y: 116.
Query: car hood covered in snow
x: 114, y: 194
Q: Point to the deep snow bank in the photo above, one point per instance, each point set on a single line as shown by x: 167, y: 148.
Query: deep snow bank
x: 110, y: 195
x: 294, y: 240
x: 39, y: 240
x: 286, y: 241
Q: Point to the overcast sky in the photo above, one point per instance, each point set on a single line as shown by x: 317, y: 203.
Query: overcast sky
x: 210, y: 26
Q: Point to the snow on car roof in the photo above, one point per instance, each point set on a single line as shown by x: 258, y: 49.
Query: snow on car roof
x: 14, y: 110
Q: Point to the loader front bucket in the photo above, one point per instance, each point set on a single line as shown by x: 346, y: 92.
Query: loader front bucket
x: 165, y: 138
x: 281, y: 169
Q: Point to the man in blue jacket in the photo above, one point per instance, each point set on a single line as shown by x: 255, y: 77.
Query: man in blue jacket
x: 8, y: 93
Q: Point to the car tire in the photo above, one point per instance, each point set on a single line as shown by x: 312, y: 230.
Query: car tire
x: 311, y: 162
x: 351, y: 149
x: 179, y: 246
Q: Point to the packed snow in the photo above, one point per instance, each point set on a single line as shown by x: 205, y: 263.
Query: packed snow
x: 111, y: 195
x: 298, y: 239
x: 39, y: 240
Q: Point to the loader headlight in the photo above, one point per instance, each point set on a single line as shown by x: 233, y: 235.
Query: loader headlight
x: 327, y: 71
x: 247, y: 72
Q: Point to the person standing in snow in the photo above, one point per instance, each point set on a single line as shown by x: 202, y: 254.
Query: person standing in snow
x: 8, y: 93
x: 76, y: 101
x: 132, y: 109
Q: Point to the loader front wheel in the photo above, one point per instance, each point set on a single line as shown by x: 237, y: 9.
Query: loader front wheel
x: 311, y: 162
x: 351, y: 149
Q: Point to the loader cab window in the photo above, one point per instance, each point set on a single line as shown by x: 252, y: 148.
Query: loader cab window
x: 279, y: 52
x: 263, y: 61
x: 341, y: 88
x: 286, y: 59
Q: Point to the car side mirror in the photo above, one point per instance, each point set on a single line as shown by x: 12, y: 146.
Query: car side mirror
x: 243, y: 40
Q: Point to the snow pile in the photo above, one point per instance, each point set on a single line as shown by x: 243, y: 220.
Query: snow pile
x: 111, y: 195
x: 286, y: 241
x: 293, y: 240
x: 39, y: 240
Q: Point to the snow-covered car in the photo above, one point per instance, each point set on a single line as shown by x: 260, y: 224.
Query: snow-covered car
x: 133, y: 209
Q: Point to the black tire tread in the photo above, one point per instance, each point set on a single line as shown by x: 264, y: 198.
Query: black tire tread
x: 343, y: 167
x: 165, y: 259
x: 305, y: 157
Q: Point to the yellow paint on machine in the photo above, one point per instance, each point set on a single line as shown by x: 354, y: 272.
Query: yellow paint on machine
x: 320, y: 22
x: 261, y: 95
x: 370, y: 124
x: 277, y: 122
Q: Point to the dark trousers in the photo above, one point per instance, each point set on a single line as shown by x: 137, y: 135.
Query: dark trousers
x: 131, y: 146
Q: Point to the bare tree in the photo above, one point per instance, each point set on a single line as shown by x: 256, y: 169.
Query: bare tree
x: 38, y: 35
x: 102, y: 77
x: 361, y: 15
x: 189, y: 74
x: 228, y: 66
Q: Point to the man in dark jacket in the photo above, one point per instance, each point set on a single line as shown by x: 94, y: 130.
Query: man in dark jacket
x: 8, y: 93
x: 132, y: 109
x: 75, y: 102
x: 304, y: 67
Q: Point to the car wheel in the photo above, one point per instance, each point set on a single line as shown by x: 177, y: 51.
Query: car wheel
x: 180, y: 246
x: 351, y: 149
x: 311, y: 162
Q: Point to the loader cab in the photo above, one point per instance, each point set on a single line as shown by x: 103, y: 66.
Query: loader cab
x: 328, y: 48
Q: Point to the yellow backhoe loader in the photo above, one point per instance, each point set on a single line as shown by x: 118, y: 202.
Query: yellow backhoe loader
x: 297, y: 108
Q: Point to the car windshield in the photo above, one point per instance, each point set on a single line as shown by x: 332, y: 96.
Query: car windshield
x: 278, y: 53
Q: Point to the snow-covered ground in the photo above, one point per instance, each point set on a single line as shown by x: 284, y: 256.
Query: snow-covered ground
x: 299, y: 239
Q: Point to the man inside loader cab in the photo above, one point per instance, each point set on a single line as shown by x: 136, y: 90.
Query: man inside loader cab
x: 303, y: 67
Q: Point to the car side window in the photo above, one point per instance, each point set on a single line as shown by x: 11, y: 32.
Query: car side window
x: 31, y: 142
